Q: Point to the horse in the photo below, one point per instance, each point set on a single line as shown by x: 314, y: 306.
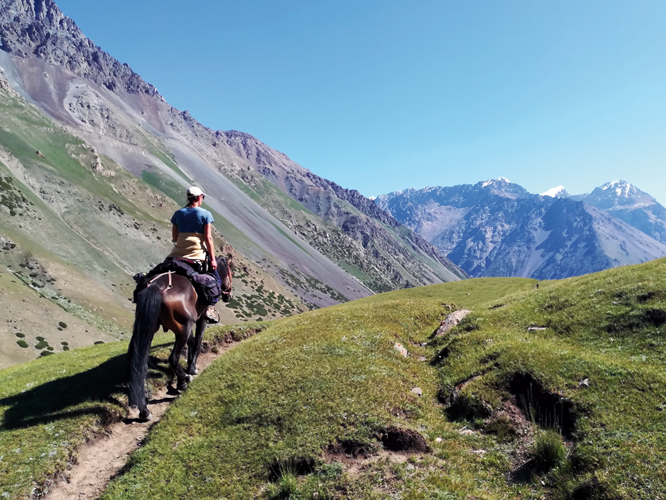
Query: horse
x: 169, y: 301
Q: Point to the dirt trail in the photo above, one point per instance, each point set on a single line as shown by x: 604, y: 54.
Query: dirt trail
x: 98, y: 462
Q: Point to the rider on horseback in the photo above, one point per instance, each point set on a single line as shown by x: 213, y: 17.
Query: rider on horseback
x: 193, y: 240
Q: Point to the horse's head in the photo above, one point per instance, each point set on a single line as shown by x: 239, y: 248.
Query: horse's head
x: 224, y: 270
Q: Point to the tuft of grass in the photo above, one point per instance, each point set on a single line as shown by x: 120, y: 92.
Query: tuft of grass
x: 286, y: 488
x: 548, y: 450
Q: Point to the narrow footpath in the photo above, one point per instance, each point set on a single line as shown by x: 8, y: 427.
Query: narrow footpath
x: 99, y: 461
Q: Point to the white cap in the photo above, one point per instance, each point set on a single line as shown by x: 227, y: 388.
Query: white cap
x: 194, y: 192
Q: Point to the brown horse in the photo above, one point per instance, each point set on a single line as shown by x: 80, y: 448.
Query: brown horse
x: 169, y: 301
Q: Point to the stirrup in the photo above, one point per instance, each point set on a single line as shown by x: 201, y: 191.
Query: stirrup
x: 212, y: 315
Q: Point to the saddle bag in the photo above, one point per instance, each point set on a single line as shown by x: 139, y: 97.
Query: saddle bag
x: 205, y: 284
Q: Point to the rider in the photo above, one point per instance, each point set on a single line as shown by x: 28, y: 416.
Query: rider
x: 193, y: 240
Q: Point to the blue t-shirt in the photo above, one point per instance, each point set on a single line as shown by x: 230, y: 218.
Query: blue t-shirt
x: 191, y: 219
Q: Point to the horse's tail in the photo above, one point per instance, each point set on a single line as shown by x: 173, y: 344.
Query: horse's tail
x: 148, y: 305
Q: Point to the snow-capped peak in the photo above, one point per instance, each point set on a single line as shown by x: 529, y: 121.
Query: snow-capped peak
x: 556, y: 192
x: 621, y: 188
x: 501, y: 180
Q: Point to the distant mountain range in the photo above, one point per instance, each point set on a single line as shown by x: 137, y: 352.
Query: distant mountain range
x: 497, y: 228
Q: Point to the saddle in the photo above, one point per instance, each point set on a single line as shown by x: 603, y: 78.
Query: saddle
x: 205, y: 283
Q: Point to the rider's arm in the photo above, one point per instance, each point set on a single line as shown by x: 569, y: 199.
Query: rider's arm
x: 174, y: 233
x: 208, y: 238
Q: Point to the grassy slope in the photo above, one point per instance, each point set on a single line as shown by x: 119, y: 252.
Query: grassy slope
x: 54, y: 404
x: 302, y: 384
x: 333, y: 374
x: 281, y: 397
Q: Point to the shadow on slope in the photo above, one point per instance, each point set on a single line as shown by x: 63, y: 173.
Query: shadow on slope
x: 59, y: 399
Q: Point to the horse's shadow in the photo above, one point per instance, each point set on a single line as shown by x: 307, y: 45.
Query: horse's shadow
x: 59, y: 399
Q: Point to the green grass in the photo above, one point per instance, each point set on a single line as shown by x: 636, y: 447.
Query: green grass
x: 466, y: 294
x: 257, y: 422
x: 52, y: 405
x: 332, y: 375
x: 49, y: 406
x: 608, y: 328
x: 306, y: 382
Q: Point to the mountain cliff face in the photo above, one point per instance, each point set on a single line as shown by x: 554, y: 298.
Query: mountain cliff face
x: 497, y: 228
x: 105, y: 160
x: 38, y: 28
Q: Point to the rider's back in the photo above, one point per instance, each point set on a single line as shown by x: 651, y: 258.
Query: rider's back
x: 191, y: 219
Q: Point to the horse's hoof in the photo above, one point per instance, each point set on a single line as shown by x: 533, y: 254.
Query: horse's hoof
x: 145, y: 415
x: 189, y: 378
x: 181, y: 386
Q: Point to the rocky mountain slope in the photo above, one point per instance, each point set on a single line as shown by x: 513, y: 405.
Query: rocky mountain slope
x: 356, y: 233
x: 103, y: 160
x: 497, y: 228
x: 628, y: 203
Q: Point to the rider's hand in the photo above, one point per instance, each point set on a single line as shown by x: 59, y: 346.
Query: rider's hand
x: 213, y: 264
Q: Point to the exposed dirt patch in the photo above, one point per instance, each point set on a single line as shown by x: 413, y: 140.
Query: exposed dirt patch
x: 402, y: 413
x: 630, y: 321
x: 350, y: 448
x: 509, y: 424
x: 655, y: 316
x: 544, y: 408
x: 105, y: 457
x: 646, y: 297
x: 298, y: 466
x: 403, y: 440
x: 355, y: 464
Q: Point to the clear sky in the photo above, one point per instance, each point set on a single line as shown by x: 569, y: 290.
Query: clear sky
x: 381, y: 95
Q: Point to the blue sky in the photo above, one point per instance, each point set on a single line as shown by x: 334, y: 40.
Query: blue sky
x: 383, y: 95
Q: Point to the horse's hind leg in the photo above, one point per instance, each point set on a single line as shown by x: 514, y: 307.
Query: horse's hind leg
x: 194, y: 346
x: 182, y: 335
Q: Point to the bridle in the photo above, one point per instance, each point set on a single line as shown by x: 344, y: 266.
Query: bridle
x: 227, y: 291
